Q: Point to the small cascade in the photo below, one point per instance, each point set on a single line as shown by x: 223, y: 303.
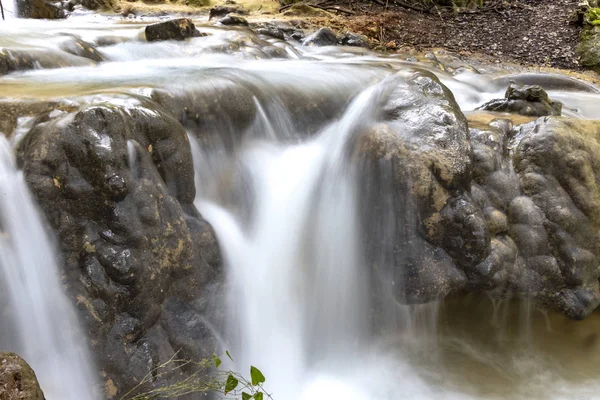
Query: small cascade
x: 37, y: 320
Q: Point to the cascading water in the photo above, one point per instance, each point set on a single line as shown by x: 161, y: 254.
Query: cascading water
x: 36, y: 320
x: 286, y: 200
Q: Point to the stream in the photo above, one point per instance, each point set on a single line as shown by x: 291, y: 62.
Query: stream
x: 280, y: 188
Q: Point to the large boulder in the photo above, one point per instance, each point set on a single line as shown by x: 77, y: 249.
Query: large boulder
x: 511, y: 211
x: 116, y: 184
x: 416, y: 159
x: 17, y: 379
x: 558, y: 163
x: 538, y: 187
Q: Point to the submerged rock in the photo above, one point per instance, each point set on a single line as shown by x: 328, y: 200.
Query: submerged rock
x: 17, y: 379
x: 525, y: 100
x: 174, y: 29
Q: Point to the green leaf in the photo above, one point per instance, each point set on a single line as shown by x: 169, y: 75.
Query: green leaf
x: 256, y: 375
x: 231, y: 383
x: 228, y: 355
x: 216, y: 360
x: 258, y: 396
x: 246, y: 396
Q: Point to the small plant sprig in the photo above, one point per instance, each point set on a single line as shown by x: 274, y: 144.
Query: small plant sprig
x: 227, y: 384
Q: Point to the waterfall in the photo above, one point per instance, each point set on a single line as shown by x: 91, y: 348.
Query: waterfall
x: 37, y: 320
x: 299, y: 296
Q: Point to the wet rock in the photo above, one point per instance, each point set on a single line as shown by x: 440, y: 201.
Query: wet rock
x: 221, y: 11
x: 19, y: 60
x: 40, y: 9
x: 271, y: 32
x: 557, y: 161
x: 116, y: 184
x: 81, y: 48
x: 417, y: 173
x: 525, y: 100
x: 588, y: 48
x: 322, y: 37
x: 354, y: 39
x: 233, y: 20
x: 17, y: 379
x: 175, y: 29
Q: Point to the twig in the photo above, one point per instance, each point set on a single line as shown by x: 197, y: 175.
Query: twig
x: 2, y: 10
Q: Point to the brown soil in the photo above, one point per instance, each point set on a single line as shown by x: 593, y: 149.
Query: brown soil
x: 530, y: 32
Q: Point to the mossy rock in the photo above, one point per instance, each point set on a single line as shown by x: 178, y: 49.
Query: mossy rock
x: 589, y: 48
x: 17, y: 379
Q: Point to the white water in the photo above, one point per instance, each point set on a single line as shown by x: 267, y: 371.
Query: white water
x: 37, y: 320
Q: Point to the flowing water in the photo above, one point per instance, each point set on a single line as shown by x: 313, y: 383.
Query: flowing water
x: 36, y: 319
x: 285, y: 207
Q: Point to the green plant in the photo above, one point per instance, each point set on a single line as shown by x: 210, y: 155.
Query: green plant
x: 205, y: 377
x: 592, y: 16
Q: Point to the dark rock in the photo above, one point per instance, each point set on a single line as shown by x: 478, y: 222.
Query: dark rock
x: 117, y: 185
x: 354, y: 39
x: 17, y: 379
x: 40, y: 9
x: 525, y: 100
x: 81, y: 48
x: 416, y: 158
x: 233, y: 20
x: 174, y: 29
x: 271, y: 32
x: 322, y: 37
x: 220, y: 11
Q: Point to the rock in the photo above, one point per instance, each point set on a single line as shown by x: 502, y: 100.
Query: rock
x: 416, y: 158
x: 271, y: 32
x: 17, y: 379
x: 588, y: 48
x: 233, y: 20
x: 174, y: 29
x: 220, y: 11
x: 322, y: 37
x: 19, y: 60
x: 116, y: 183
x: 81, y: 48
x: 354, y: 39
x: 558, y: 164
x: 40, y: 9
x: 525, y: 100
